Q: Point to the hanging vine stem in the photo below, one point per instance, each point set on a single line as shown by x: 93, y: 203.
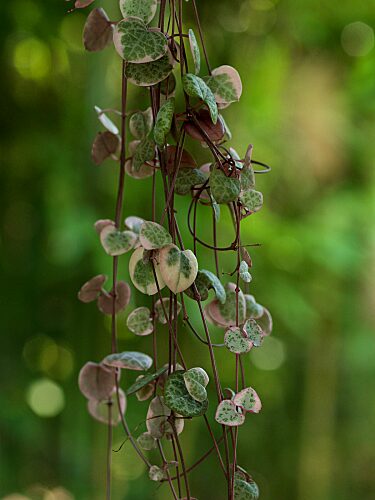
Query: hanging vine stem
x: 159, y: 257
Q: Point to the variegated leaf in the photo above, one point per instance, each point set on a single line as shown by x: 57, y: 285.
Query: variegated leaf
x: 134, y: 223
x: 153, y: 236
x: 254, y: 332
x: 147, y: 74
x: 129, y: 360
x: 224, y: 189
x: 252, y: 200
x: 188, y: 178
x: 140, y: 123
x: 146, y: 441
x: 159, y: 310
x: 253, y: 310
x: 194, y: 47
x: 144, y: 152
x: 139, y: 321
x: 245, y: 490
x: 248, y: 400
x: 226, y: 85
x: 225, y: 314
x: 178, y: 399
x: 164, y: 121
x: 244, y: 272
x: 196, y: 87
x: 146, y: 379
x: 117, y: 242
x: 156, y: 473
x: 236, y: 340
x: 178, y: 268
x: 144, y: 9
x: 136, y: 43
x: 142, y: 275
x: 227, y: 414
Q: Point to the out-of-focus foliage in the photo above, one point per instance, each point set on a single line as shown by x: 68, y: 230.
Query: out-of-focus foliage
x: 308, y: 106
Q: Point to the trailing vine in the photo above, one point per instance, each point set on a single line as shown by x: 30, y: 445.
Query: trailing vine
x: 152, y: 43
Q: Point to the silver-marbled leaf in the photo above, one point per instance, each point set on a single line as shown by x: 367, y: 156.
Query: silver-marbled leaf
x: 142, y: 275
x: 129, y: 360
x: 153, y: 236
x: 194, y: 86
x: 139, y: 321
x: 178, y: 268
x: 195, y: 52
x: 144, y: 9
x: 163, y: 121
x: 223, y: 188
x: 228, y: 414
x: 237, y: 341
x: 178, y: 399
x: 116, y: 242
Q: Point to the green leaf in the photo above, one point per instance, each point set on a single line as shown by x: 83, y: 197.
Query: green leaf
x: 226, y: 85
x: 140, y: 322
x: 248, y: 400
x: 178, y: 399
x: 160, y: 312
x: 156, y: 473
x: 144, y: 9
x: 247, y: 176
x: 254, y: 332
x: 252, y: 200
x: 146, y: 441
x: 144, y: 152
x: 140, y: 123
x: 253, y: 310
x: 227, y: 414
x: 157, y: 420
x: 224, y: 189
x: 145, y: 380
x: 194, y: 47
x: 164, y: 122
x: 196, y: 87
x: 130, y: 360
x: 188, y: 178
x: 136, y: 44
x: 142, y: 275
x: 178, y: 268
x: 117, y: 242
x: 153, y: 236
x: 151, y: 73
x: 244, y: 490
x: 244, y: 272
x: 204, y: 281
x: 237, y: 341
x: 196, y: 380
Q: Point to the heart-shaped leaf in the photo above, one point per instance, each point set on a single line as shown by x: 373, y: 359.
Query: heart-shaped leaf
x: 156, y: 473
x: 244, y: 272
x: 100, y: 409
x: 140, y: 123
x: 253, y: 310
x: 159, y: 310
x: 164, y: 121
x: 225, y: 314
x: 106, y: 122
x: 226, y: 85
x: 142, y: 275
x: 178, y: 399
x: 237, y: 341
x: 265, y: 322
x: 157, y: 420
x: 144, y: 152
x: 129, y: 360
x: 206, y: 280
x: 252, y: 200
x: 196, y: 380
x: 105, y: 145
x: 153, y: 236
x: 102, y: 223
x: 196, y: 87
x: 98, y: 31
x: 146, y: 379
x: 117, y: 242
x: 227, y: 414
x: 144, y: 170
x: 224, y: 189
x: 254, y: 332
x: 136, y: 44
x: 247, y: 178
x: 188, y: 178
x: 105, y: 299
x: 92, y: 288
x: 194, y: 47
x: 248, y: 400
x: 178, y: 268
x: 244, y: 490
x: 146, y: 441
x: 140, y: 322
x: 134, y: 223
x: 146, y: 392
x: 144, y: 10
x: 96, y: 381
x: 147, y: 74
x: 205, y: 127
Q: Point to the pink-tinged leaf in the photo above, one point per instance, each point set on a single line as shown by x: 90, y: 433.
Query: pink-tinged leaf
x: 100, y: 409
x: 134, y: 223
x: 215, y: 131
x: 96, y: 381
x: 102, y: 223
x: 98, y: 31
x: 178, y: 268
x: 254, y: 332
x: 105, y: 145
x: 225, y: 314
x: 116, y: 242
x: 105, y: 300
x: 237, y: 341
x: 159, y: 310
x: 187, y: 161
x: 81, y: 4
x: 91, y: 289
x: 248, y: 400
x: 227, y: 414
x: 129, y: 360
x: 265, y: 322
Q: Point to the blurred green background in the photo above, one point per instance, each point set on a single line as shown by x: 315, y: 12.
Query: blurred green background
x: 308, y: 106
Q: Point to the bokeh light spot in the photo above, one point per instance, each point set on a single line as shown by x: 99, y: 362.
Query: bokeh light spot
x: 270, y: 356
x: 32, y: 59
x: 45, y: 398
x: 357, y: 39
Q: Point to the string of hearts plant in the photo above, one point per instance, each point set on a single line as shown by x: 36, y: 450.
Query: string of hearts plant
x: 152, y: 42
